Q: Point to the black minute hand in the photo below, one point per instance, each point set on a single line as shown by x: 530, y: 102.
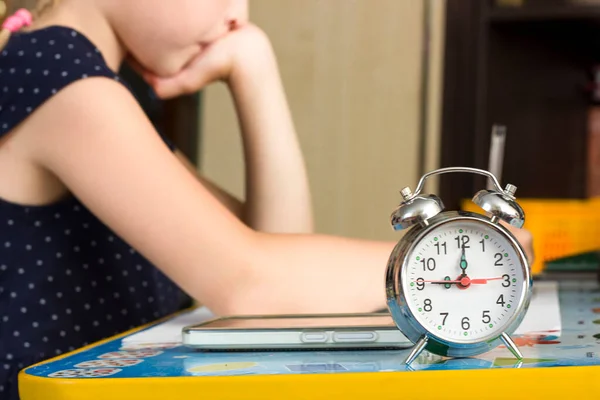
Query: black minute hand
x: 463, y: 263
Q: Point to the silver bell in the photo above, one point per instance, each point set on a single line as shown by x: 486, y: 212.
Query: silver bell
x: 415, y: 210
x: 501, y: 205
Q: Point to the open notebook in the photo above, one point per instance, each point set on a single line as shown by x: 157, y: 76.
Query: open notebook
x: 543, y: 316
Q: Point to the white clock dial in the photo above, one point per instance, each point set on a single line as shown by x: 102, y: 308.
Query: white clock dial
x: 464, y: 282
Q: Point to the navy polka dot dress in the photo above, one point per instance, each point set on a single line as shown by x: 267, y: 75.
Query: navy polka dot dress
x: 65, y: 278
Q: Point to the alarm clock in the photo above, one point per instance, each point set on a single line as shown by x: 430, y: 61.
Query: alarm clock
x: 458, y: 283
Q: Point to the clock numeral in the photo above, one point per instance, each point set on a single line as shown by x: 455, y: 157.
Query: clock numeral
x: 486, y: 317
x: 461, y: 241
x: 498, y: 257
x: 445, y: 314
x: 465, y: 323
x: 506, y: 280
x: 428, y: 264
x: 482, y: 241
x: 427, y: 305
x: 420, y: 284
x: 501, y: 300
x: 438, y: 246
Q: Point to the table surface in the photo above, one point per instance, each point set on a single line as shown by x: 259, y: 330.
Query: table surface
x: 109, y: 370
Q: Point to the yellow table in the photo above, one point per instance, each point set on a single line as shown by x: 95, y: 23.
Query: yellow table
x: 565, y: 366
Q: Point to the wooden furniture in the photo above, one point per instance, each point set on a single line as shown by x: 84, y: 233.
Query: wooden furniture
x: 526, y: 67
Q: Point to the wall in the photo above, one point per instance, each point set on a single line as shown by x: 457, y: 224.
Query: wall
x: 352, y: 72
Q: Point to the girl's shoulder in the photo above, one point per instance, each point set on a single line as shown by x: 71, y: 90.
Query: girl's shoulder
x: 36, y: 65
x: 55, y: 48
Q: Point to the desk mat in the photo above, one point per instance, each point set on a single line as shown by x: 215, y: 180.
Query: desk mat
x: 577, y: 345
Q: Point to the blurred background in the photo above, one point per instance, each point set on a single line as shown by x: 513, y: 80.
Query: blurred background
x: 383, y: 91
x: 354, y: 73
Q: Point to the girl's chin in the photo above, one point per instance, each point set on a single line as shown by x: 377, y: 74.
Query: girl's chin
x: 176, y: 65
x: 167, y: 66
x: 166, y: 69
x: 163, y: 71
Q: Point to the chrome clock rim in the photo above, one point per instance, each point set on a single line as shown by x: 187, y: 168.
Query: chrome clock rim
x: 403, y: 315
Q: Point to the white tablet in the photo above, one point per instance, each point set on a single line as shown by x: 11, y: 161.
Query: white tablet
x: 296, y: 332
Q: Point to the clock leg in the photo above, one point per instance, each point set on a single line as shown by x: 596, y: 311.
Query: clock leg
x: 511, y: 346
x: 416, y: 350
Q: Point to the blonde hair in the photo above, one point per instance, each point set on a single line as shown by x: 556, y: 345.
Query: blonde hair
x: 4, y: 9
x: 40, y: 8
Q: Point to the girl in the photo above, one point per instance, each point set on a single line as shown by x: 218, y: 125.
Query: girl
x: 104, y: 227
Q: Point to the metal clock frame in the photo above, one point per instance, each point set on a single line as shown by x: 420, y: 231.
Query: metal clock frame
x: 403, y: 316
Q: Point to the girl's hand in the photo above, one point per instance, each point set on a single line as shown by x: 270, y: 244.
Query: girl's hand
x: 242, y: 48
x: 525, y: 238
x: 277, y: 195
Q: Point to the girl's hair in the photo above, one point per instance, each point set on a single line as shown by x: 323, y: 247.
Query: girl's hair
x: 40, y: 8
x: 4, y: 9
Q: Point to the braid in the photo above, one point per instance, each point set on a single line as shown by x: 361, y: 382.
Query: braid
x: 4, y: 7
x: 40, y: 8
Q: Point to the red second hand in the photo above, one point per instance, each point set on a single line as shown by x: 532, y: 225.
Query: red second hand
x: 485, y: 280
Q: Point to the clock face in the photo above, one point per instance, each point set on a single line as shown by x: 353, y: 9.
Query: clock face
x: 464, y: 281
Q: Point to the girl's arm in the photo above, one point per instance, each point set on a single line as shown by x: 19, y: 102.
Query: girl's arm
x: 232, y: 203
x: 124, y: 174
x: 277, y: 190
x: 108, y: 154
